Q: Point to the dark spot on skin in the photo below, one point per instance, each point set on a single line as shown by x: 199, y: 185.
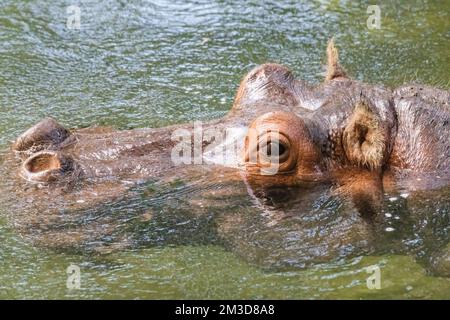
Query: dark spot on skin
x: 277, y: 197
x: 207, y: 143
x: 445, y: 123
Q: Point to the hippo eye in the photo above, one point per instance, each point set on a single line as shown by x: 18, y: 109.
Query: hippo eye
x: 275, y: 149
x: 271, y: 151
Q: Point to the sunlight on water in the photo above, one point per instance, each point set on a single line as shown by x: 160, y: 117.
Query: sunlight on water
x: 148, y: 64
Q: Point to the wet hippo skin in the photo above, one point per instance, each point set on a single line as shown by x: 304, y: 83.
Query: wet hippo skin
x: 339, y: 148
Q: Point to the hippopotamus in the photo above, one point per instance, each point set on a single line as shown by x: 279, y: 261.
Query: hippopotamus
x: 294, y: 175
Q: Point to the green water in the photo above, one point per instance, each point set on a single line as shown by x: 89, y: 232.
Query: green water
x: 138, y: 63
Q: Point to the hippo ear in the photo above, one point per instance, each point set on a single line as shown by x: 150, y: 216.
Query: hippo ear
x: 363, y: 139
x: 334, y: 69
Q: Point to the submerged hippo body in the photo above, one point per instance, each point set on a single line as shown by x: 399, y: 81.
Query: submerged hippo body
x: 339, y: 147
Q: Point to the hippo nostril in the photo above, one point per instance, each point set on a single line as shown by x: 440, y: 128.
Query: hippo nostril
x: 46, y: 134
x: 43, y: 162
x: 45, y: 166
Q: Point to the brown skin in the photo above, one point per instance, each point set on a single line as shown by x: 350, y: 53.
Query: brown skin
x: 341, y: 140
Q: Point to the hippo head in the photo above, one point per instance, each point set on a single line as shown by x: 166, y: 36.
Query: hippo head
x: 340, y: 131
x: 303, y: 151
